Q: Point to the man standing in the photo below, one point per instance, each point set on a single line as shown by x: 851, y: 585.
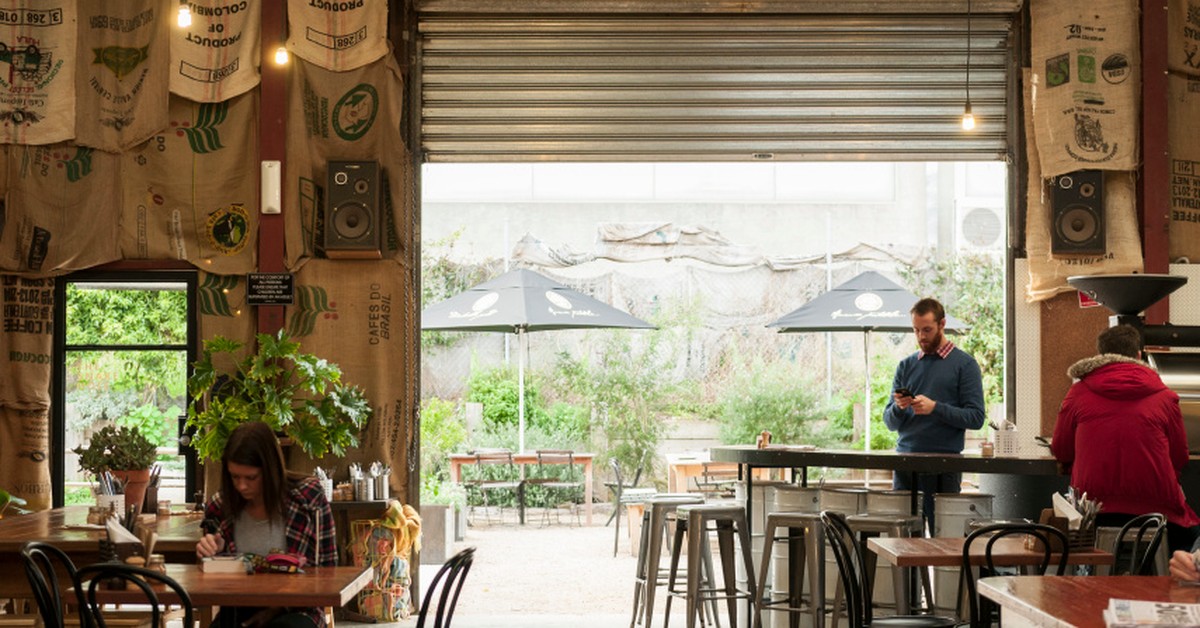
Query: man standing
x: 937, y: 395
x: 1120, y: 432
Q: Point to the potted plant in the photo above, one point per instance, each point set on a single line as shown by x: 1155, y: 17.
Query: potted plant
x: 124, y: 452
x: 298, y: 394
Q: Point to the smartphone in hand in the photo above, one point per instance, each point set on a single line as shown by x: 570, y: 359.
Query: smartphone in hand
x: 904, y: 392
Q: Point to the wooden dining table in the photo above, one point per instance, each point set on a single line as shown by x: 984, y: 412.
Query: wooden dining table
x: 316, y: 586
x: 67, y: 529
x: 1077, y: 601
x: 947, y: 552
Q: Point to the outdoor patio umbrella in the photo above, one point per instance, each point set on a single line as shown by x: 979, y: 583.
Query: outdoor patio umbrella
x: 521, y: 301
x: 868, y: 302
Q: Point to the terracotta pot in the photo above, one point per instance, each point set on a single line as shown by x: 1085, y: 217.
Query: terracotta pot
x: 135, y: 482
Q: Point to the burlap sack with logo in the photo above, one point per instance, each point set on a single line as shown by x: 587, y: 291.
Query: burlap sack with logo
x: 217, y: 57
x: 355, y: 313
x: 60, y: 209
x: 1047, y: 272
x: 24, y: 454
x: 338, y: 35
x: 121, y: 79
x: 26, y: 341
x: 37, y: 90
x: 355, y: 115
x: 1183, y: 112
x: 192, y: 193
x: 1087, y: 83
x: 1183, y: 36
x: 221, y: 300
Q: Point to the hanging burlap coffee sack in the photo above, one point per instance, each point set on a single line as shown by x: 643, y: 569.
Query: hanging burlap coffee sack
x: 1183, y: 116
x: 121, y: 81
x: 192, y: 193
x: 1183, y: 36
x: 359, y: 314
x: 26, y: 341
x: 221, y: 300
x: 60, y: 209
x: 25, y: 454
x: 1087, y: 82
x: 354, y: 115
x: 338, y: 35
x: 217, y: 57
x: 1048, y: 273
x: 37, y: 88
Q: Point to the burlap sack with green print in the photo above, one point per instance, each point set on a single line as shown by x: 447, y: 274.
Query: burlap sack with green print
x: 358, y: 314
x: 60, y: 209
x: 37, y: 88
x: 221, y: 301
x: 216, y: 58
x: 354, y: 115
x: 121, y: 81
x: 191, y: 193
x: 26, y: 342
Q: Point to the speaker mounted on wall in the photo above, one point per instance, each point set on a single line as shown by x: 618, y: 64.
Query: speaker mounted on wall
x: 1077, y: 214
x: 353, y: 210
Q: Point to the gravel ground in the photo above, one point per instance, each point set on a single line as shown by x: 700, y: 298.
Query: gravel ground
x: 545, y: 575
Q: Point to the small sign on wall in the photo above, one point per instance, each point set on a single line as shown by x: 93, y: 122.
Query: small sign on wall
x: 270, y: 289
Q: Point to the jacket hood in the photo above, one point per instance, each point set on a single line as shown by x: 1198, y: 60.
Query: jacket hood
x: 1117, y: 377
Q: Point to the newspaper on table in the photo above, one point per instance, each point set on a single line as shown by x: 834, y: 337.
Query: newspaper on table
x: 1140, y: 613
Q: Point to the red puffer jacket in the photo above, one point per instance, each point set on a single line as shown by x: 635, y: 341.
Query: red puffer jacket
x: 1120, y: 432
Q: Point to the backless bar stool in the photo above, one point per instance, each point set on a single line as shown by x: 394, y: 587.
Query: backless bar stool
x: 797, y: 510
x: 649, y: 574
x: 727, y: 521
x: 888, y: 513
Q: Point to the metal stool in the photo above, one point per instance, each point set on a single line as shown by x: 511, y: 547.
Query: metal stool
x: 707, y: 581
x: 654, y: 528
x: 806, y: 553
x: 728, y: 520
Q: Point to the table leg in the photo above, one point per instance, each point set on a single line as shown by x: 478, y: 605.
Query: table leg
x: 587, y: 491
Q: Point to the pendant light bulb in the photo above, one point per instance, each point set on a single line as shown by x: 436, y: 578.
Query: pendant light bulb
x: 968, y: 118
x: 185, y: 16
x: 281, y: 55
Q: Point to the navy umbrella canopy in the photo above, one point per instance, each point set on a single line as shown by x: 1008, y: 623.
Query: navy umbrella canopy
x: 868, y: 302
x: 521, y: 301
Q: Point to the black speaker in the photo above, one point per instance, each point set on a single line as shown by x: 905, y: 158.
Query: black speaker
x: 353, y: 211
x: 1077, y: 201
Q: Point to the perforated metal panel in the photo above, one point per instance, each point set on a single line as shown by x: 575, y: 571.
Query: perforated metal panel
x: 507, y: 86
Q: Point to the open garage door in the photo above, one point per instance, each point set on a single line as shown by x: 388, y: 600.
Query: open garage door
x: 685, y: 81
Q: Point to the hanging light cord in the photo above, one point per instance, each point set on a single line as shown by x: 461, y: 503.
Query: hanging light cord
x: 968, y: 52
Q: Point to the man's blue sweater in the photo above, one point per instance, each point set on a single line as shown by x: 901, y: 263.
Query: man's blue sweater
x: 955, y: 383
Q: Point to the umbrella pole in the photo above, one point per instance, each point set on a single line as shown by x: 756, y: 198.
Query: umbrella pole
x: 867, y: 390
x: 521, y: 340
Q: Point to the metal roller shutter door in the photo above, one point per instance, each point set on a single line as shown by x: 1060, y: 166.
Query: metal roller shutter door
x: 501, y: 85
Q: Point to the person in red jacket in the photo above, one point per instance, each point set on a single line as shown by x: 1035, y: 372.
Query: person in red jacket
x: 1120, y: 433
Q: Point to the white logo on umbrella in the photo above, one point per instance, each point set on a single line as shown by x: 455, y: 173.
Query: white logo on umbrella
x: 868, y: 302
x: 558, y: 300
x: 480, y: 308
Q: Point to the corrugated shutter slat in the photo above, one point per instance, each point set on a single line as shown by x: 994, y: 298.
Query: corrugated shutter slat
x: 507, y: 87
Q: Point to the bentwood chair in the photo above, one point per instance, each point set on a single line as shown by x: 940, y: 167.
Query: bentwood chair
x: 1047, y: 540
x: 90, y: 578
x: 43, y: 563
x: 1137, y: 545
x: 854, y: 578
x: 448, y: 582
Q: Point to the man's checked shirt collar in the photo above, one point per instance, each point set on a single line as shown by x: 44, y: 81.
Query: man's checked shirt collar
x: 942, y: 351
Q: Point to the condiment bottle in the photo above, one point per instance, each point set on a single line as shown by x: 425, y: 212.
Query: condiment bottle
x: 987, y: 449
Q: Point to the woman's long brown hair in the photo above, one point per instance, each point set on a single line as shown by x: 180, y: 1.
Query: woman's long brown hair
x: 254, y: 444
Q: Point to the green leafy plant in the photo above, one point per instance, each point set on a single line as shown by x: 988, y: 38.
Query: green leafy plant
x: 296, y: 393
x: 777, y: 399
x: 116, y: 449
x: 8, y: 500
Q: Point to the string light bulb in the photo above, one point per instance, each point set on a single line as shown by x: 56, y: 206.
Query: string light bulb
x: 281, y: 55
x: 185, y: 16
x: 968, y: 118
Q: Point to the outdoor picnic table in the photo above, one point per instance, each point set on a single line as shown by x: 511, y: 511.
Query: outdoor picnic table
x: 530, y: 458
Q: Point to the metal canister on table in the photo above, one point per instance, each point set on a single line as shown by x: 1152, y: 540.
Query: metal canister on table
x: 381, y: 486
x: 364, y: 489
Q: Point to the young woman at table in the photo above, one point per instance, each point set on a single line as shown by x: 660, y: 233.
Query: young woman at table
x: 261, y: 509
